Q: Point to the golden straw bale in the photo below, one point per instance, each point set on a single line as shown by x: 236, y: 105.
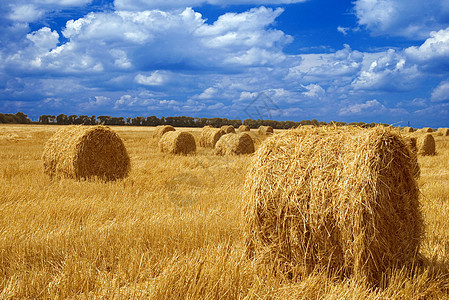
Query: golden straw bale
x: 210, y: 136
x: 413, y: 147
x: 443, y: 131
x: 243, y: 128
x: 426, y: 144
x: 177, y: 142
x: 264, y: 130
x: 342, y: 200
x: 86, y: 151
x: 228, y: 128
x: 408, y: 129
x: 240, y: 143
x: 426, y: 129
x: 161, y: 130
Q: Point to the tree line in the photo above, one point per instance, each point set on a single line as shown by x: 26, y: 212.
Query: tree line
x: 181, y: 121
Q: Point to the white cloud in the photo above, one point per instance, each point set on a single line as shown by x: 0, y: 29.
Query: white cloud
x: 388, y: 73
x: 208, y: 93
x: 433, y: 53
x: 136, y: 5
x: 156, y: 78
x: 44, y: 38
x: 413, y: 19
x: 370, y: 107
x: 441, y: 92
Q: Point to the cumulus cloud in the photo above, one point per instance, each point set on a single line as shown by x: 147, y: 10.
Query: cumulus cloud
x: 137, y: 5
x: 441, y: 92
x: 413, y: 19
x: 433, y: 53
x: 155, y: 78
x: 370, y: 107
x: 388, y: 73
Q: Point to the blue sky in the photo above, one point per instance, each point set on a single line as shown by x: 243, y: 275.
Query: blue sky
x: 363, y: 60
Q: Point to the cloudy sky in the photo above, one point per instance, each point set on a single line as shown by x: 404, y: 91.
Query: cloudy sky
x: 357, y: 60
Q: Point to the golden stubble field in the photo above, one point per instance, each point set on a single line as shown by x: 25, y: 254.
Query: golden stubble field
x: 172, y: 229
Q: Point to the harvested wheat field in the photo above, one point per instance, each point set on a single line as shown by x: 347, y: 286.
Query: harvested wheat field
x: 174, y: 228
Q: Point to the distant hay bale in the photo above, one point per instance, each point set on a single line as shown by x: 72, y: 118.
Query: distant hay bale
x: 408, y: 129
x: 426, y: 129
x: 264, y: 130
x: 177, y: 142
x: 426, y: 145
x: 344, y: 200
x: 228, y: 128
x: 86, y: 151
x: 240, y: 143
x: 161, y: 130
x: 443, y: 131
x: 243, y: 128
x: 210, y: 136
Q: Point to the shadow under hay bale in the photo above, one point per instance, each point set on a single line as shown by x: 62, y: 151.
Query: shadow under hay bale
x: 344, y: 200
x: 243, y: 128
x: 177, y: 142
x: 426, y: 145
x: 161, y: 130
x: 264, y: 130
x: 86, y: 151
x: 408, y: 129
x: 210, y: 136
x: 240, y: 143
x: 228, y: 128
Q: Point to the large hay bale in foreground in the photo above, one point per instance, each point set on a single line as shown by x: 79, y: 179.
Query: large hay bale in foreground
x: 228, y: 128
x: 240, y: 143
x: 264, y: 130
x: 344, y: 200
x: 177, y: 142
x: 243, y: 128
x: 161, y: 130
x: 426, y: 145
x: 86, y: 151
x: 443, y: 131
x: 210, y: 136
x: 408, y: 129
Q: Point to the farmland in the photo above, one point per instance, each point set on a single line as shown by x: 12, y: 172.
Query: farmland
x: 172, y: 229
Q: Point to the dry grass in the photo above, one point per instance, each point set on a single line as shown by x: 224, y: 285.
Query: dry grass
x: 143, y: 237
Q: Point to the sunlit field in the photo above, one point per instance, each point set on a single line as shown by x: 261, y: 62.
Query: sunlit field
x: 172, y: 229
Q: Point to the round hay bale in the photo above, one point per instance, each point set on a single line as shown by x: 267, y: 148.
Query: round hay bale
x: 161, y: 130
x: 265, y: 130
x: 240, y: 143
x: 86, y: 151
x: 177, y: 142
x: 426, y: 145
x: 244, y: 128
x: 210, y: 136
x: 228, y: 128
x: 343, y: 200
x: 443, y: 131
x: 408, y: 129
x: 426, y: 129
